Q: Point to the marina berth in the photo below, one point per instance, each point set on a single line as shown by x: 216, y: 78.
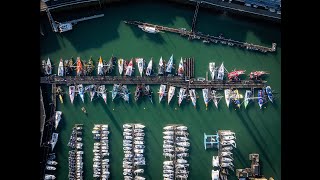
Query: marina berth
x: 76, y: 152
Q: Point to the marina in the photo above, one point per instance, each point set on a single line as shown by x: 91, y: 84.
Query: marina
x: 258, y: 130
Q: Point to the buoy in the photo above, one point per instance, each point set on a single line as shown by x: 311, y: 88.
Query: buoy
x: 144, y: 108
x: 113, y: 109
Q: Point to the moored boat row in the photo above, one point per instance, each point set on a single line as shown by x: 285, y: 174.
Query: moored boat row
x: 75, y: 154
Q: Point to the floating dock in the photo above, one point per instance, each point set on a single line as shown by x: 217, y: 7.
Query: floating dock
x: 174, y: 81
x: 207, y: 38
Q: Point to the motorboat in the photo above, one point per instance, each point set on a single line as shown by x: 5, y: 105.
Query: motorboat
x: 79, y: 67
x: 205, y: 93
x: 149, y: 68
x: 221, y: 72
x: 169, y: 64
x: 168, y: 137
x: 192, y: 94
x: 228, y: 143
x: 148, y: 29
x: 161, y: 67
x: 257, y: 74
x: 54, y: 140
x: 215, y: 161
x: 162, y: 91
x: 167, y: 128
x: 234, y: 75
x: 115, y: 91
x: 227, y: 93
x: 181, y: 68
x: 212, y: 70
x: 129, y: 68
x: 171, y: 93
x: 183, y: 144
x: 226, y: 160
x: 182, y: 161
x: 247, y: 98
x: 57, y: 118
x: 51, y: 162
x: 100, y: 67
x: 140, y: 64
x: 182, y: 95
x: 181, y: 155
x: 127, y: 125
x: 81, y: 92
x: 49, y: 177
x: 120, y: 65
x: 215, y: 174
x: 139, y: 126
x: 182, y: 128
x: 227, y: 138
x: 269, y: 93
x: 168, y: 132
x: 60, y: 68
x: 50, y: 168
x: 48, y: 67
x: 260, y: 98
x: 181, y: 139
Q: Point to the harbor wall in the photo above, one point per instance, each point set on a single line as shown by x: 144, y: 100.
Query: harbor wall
x: 217, y: 8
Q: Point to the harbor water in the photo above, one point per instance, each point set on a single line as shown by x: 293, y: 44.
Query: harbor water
x: 257, y: 130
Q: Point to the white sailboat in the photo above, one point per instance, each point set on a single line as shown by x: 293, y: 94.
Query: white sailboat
x: 60, y: 68
x: 205, y: 93
x: 182, y: 95
x: 81, y: 92
x: 221, y: 72
x: 115, y: 91
x: 140, y: 63
x: 215, y: 175
x: 120, y: 65
x: 169, y: 64
x: 181, y: 68
x: 149, y: 68
x: 54, y: 140
x: 48, y: 68
x: 161, y: 66
x: 227, y: 96
x: 212, y: 70
x: 216, y: 99
x: 102, y: 92
x: 192, y: 94
x: 57, y: 118
x: 162, y: 91
x: 100, y: 67
x: 92, y: 91
x: 171, y: 93
x: 71, y: 93
x: 129, y: 68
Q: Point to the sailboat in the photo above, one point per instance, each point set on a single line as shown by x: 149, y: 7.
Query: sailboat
x: 115, y: 91
x: 182, y: 95
x: 234, y: 75
x: 81, y: 92
x: 149, y: 68
x: 171, y: 93
x: 236, y: 98
x: 269, y: 93
x: 120, y: 65
x: 205, y: 93
x: 140, y: 64
x: 161, y: 67
x: 162, y: 91
x: 216, y: 99
x: 102, y: 92
x: 260, y: 98
x: 129, y: 68
x: 125, y: 93
x: 192, y: 94
x: 54, y: 140
x: 60, y: 68
x: 100, y: 67
x: 221, y: 72
x: 180, y: 69
x: 57, y: 118
x: 71, y: 93
x: 212, y: 70
x: 48, y: 68
x: 247, y: 98
x: 92, y: 90
x: 148, y: 92
x: 169, y: 64
x: 79, y: 67
x: 227, y: 96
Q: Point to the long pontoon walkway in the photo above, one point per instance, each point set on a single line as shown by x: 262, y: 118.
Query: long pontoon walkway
x: 175, y: 81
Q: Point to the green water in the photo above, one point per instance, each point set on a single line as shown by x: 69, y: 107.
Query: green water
x: 258, y: 131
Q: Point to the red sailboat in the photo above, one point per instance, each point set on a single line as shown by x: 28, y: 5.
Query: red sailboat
x: 234, y: 74
x: 79, y: 66
x: 257, y: 74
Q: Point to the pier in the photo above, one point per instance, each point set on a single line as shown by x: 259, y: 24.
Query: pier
x: 207, y: 38
x: 153, y: 80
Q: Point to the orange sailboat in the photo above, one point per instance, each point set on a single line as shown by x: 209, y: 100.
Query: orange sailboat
x: 79, y: 66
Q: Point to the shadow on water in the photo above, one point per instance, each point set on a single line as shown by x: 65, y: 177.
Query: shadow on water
x: 255, y: 139
x: 111, y: 117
